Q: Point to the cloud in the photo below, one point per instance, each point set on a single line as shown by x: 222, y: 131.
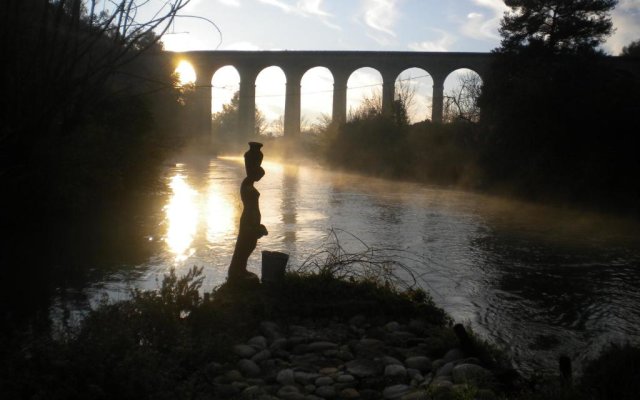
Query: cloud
x: 232, y: 3
x: 443, y: 43
x: 381, y: 15
x: 312, y: 7
x: 626, y: 22
x: 278, y: 4
x: 304, y: 8
x: 477, y: 25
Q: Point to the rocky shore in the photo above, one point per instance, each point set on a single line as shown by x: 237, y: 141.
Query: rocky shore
x: 355, y: 358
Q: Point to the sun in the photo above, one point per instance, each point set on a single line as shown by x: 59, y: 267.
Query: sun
x: 186, y: 73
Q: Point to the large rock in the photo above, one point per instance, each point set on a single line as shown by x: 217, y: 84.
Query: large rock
x: 445, y: 369
x: 395, y: 371
x: 244, y: 350
x: 249, y: 368
x: 453, y: 355
x: 470, y: 373
x: 289, y: 392
x: 261, y: 356
x: 259, y: 342
x: 421, y: 363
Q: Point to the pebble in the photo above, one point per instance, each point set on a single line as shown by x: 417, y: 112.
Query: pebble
x: 289, y: 392
x: 326, y: 392
x: 346, y: 378
x: 286, y: 377
x: 395, y: 391
x: 328, y: 371
x: 349, y: 393
x: 395, y: 371
x: 321, y: 346
x: 324, y: 381
x: 363, y: 368
x: 331, y: 361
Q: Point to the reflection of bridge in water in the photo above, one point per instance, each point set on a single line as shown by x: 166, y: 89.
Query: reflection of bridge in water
x: 341, y: 64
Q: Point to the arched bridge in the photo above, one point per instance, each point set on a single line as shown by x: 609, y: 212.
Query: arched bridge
x: 341, y: 64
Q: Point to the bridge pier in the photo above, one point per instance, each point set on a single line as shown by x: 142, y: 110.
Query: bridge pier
x: 292, y: 104
x: 388, y: 92
x: 437, y: 99
x: 202, y: 101
x: 339, y: 108
x: 247, y: 103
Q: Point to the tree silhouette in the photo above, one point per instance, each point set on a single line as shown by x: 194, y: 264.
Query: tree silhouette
x: 632, y: 49
x: 558, y: 26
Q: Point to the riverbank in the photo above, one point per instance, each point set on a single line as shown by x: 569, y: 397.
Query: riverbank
x: 313, y: 336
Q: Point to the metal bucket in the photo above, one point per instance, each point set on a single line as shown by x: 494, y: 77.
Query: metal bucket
x: 274, y: 264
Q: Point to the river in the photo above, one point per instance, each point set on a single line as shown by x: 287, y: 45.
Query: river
x: 536, y: 281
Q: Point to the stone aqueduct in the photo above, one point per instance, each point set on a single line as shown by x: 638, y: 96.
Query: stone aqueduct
x: 341, y: 64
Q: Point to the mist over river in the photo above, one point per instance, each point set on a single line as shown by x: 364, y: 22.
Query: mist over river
x: 534, y: 280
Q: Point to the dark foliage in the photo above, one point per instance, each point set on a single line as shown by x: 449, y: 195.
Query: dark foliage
x: 84, y: 130
x: 164, y: 344
x: 615, y: 374
x: 559, y: 117
x: 631, y: 50
x: 558, y: 26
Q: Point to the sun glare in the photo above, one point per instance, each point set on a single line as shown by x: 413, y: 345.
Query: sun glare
x: 186, y: 73
x: 182, y: 218
x: 219, y: 215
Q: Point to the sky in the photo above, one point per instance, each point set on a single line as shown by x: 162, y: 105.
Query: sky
x: 383, y: 25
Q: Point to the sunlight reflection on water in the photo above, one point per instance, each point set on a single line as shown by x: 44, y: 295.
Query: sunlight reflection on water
x: 182, y: 217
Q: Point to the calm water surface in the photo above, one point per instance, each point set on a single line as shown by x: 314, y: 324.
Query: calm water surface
x: 536, y: 281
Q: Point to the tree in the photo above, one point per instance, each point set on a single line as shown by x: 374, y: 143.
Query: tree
x: 557, y: 115
x: 462, y: 102
x: 558, y: 26
x: 225, y: 122
x: 632, y: 49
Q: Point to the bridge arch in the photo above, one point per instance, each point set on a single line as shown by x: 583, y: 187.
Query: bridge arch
x: 414, y: 86
x: 271, y: 94
x: 316, y: 88
x: 365, y: 84
x: 461, y: 88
